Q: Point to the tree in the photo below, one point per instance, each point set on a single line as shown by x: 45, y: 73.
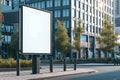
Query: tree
x: 62, y: 41
x: 77, y: 32
x: 108, y: 38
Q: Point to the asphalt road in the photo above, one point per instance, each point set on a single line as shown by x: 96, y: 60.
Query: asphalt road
x: 115, y: 75
x: 104, y: 73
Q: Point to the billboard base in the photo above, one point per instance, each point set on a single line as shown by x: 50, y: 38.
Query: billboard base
x: 36, y: 64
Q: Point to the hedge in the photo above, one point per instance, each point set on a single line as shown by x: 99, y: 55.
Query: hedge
x: 11, y: 63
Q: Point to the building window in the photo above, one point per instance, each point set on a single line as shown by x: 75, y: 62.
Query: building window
x: 90, y: 9
x: 99, y: 30
x: 99, y: 13
x: 93, y: 10
x: 86, y: 8
x: 65, y: 12
x: 74, y: 2
x: 49, y: 3
x: 93, y: 19
x: 32, y: 4
x: 90, y: 18
x: 84, y: 38
x: 83, y: 16
x: 83, y: 6
x: 79, y: 14
x: 65, y: 2
x: 57, y: 2
x: 86, y: 17
x: 56, y: 25
x: 90, y: 28
x: 74, y: 13
x: 96, y: 29
x: 83, y: 26
x: 99, y: 22
x: 7, y: 2
x: 93, y: 29
x: 43, y: 4
x: 40, y: 5
x: 36, y: 5
x: 96, y: 21
x: 66, y: 23
x: 86, y: 27
x: 79, y: 4
x: 96, y: 12
x: 90, y: 1
x: 57, y: 13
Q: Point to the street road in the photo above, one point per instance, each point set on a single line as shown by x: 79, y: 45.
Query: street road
x: 104, y: 73
x: 115, y: 75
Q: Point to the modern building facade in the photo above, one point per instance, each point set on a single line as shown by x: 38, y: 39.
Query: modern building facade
x: 91, y: 12
x: 8, y: 29
x: 117, y: 21
x: 117, y: 16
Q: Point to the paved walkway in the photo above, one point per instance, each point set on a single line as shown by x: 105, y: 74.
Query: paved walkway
x: 44, y: 73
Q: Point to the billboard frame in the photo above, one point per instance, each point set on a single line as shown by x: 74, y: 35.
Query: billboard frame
x: 21, y: 31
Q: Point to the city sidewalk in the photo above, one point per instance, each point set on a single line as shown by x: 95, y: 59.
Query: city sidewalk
x: 26, y: 75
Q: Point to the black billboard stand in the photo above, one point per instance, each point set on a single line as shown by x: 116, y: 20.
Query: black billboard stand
x: 36, y: 64
x: 18, y: 63
x: 75, y: 61
x: 51, y: 64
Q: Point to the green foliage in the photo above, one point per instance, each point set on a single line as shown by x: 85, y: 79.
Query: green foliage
x: 107, y: 37
x: 62, y: 41
x: 25, y: 63
x: 77, y: 36
x: 11, y: 63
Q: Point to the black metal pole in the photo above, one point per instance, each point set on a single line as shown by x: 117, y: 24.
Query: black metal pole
x: 64, y: 63
x: 18, y: 64
x: 51, y: 64
x: 75, y: 61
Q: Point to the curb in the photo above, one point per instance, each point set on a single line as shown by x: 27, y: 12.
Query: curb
x: 89, y: 72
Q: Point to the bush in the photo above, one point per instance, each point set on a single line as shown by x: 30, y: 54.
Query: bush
x: 26, y: 63
x: 11, y: 63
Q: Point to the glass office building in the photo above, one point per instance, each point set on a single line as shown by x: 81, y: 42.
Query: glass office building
x: 91, y: 12
x: 117, y: 16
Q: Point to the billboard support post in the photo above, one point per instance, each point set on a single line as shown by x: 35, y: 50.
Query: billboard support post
x: 51, y: 64
x: 36, y: 64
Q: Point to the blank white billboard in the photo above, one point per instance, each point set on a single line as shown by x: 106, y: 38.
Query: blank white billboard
x: 36, y: 30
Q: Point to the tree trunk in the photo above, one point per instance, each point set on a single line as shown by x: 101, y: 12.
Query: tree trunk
x: 79, y: 54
